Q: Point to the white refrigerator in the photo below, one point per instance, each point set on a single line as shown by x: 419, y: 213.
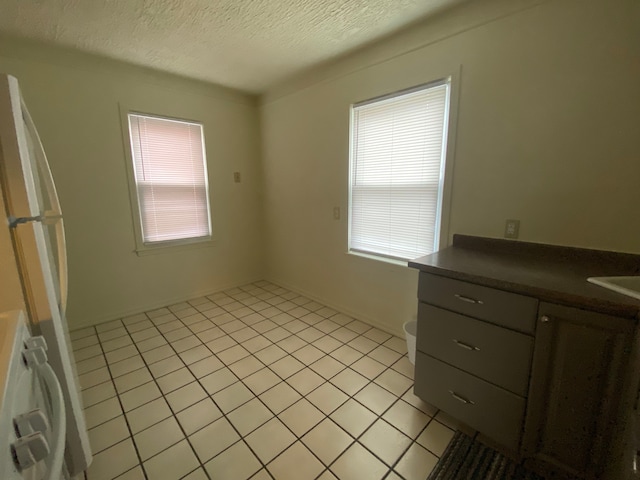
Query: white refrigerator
x: 33, y: 266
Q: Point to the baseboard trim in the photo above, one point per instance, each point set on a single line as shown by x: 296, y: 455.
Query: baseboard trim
x: 340, y: 308
x: 155, y: 305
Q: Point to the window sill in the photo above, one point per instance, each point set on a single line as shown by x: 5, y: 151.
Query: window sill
x: 380, y: 258
x: 174, y: 246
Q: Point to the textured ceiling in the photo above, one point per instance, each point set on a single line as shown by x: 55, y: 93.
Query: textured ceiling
x: 246, y: 44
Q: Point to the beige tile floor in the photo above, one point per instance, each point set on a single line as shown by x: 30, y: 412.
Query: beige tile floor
x: 253, y: 382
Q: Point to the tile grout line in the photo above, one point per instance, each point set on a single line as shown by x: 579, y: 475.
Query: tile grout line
x: 325, y: 353
x: 154, y: 379
x: 225, y: 415
x: 163, y: 396
x: 122, y: 325
x: 201, y: 464
x: 289, y: 353
x: 277, y: 415
x: 353, y: 439
x: 123, y: 415
x: 327, y: 416
x: 256, y: 396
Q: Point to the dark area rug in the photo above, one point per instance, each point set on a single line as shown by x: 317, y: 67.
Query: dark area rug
x: 468, y: 459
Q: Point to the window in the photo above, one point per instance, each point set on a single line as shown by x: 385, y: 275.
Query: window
x: 170, y: 176
x: 398, y: 150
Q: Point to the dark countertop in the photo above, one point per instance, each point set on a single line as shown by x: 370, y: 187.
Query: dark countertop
x: 550, y: 273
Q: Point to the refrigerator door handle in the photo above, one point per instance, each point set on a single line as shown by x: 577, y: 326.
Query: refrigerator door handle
x: 15, y: 221
x: 42, y: 163
x: 50, y: 218
x: 47, y: 218
x: 54, y: 215
x: 62, y: 263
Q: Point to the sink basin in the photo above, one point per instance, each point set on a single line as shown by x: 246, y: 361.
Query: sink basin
x: 629, y: 286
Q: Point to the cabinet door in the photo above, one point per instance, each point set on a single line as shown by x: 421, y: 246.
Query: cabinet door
x: 579, y: 366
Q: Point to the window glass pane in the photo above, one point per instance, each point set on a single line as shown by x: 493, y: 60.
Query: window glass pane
x: 397, y: 160
x: 171, y: 178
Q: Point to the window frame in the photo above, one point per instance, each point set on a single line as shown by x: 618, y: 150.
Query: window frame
x: 443, y: 210
x: 147, y: 248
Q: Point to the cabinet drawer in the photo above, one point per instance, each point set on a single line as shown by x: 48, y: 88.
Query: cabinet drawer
x: 498, y: 355
x: 496, y: 306
x: 489, y: 409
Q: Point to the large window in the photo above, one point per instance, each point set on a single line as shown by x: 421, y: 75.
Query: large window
x: 170, y: 176
x: 398, y: 151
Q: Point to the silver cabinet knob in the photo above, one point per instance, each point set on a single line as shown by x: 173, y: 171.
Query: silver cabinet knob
x: 468, y: 299
x: 466, y: 346
x: 29, y: 450
x: 544, y: 318
x: 460, y: 398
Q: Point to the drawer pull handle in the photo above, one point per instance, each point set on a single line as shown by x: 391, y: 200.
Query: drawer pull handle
x: 460, y: 399
x: 466, y: 346
x: 467, y: 299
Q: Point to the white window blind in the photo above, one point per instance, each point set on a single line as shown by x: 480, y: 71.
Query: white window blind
x: 171, y: 178
x: 397, y: 173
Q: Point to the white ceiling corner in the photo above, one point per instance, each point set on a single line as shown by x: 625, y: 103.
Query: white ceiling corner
x: 246, y: 44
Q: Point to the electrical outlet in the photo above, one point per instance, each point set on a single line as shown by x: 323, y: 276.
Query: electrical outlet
x: 336, y: 213
x: 511, y: 228
x: 236, y: 177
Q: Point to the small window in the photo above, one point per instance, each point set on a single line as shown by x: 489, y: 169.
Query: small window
x: 170, y: 174
x: 398, y: 150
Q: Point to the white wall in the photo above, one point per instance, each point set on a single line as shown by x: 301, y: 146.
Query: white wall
x: 548, y: 133
x: 74, y: 100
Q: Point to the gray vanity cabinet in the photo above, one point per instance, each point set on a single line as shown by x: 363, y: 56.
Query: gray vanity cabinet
x: 515, y: 343
x: 578, y: 376
x: 544, y: 380
x: 473, y: 359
